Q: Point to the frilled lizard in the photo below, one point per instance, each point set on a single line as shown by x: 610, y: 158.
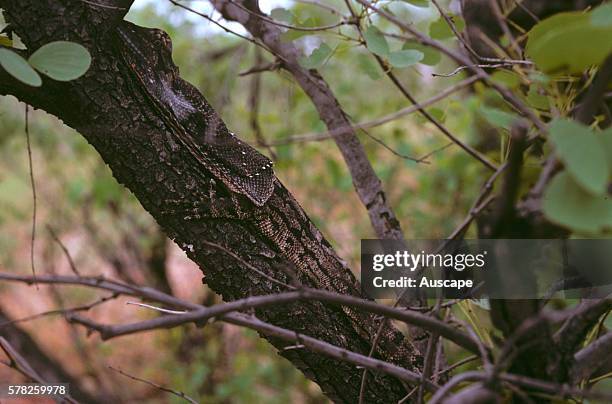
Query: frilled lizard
x: 255, y: 194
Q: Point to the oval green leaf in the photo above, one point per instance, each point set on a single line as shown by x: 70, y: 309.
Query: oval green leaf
x: 19, y: 68
x: 282, y: 14
x: 582, y: 152
x: 602, y: 16
x: 606, y: 140
x: 431, y: 57
x: 418, y: 3
x: 565, y: 42
x: 439, y: 29
x: 61, y: 60
x: 567, y: 204
x: 317, y: 58
x: 376, y: 41
x: 405, y: 58
x: 498, y: 118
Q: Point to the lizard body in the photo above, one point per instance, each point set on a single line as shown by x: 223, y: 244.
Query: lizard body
x: 250, y: 180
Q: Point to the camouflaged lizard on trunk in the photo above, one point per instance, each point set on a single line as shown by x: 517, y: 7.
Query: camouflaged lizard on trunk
x: 243, y: 184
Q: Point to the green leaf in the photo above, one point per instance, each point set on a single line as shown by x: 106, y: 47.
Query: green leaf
x: 602, y: 16
x: 537, y: 100
x: 567, y: 204
x: 368, y: 66
x: 105, y: 189
x: 506, y: 78
x: 376, y: 41
x: 418, y: 3
x: 6, y: 41
x: 497, y: 117
x: 405, y: 58
x: 565, y: 41
x: 317, y: 58
x: 606, y: 140
x: 439, y: 29
x: 19, y: 68
x: 431, y: 57
x: 581, y: 150
x: 61, y: 60
x: 293, y: 34
x: 282, y: 14
x: 437, y: 113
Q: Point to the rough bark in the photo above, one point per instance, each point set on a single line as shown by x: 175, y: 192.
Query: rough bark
x: 106, y: 107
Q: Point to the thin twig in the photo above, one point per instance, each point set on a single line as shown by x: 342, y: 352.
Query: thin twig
x: 434, y: 121
x: 20, y: 364
x: 320, y: 5
x: 157, y: 386
x: 159, y: 309
x: 64, y: 250
x: 254, y: 101
x: 203, y: 314
x: 85, y: 307
x: 461, y: 68
x: 481, y: 202
x: 33, y: 185
x: 223, y: 27
x: 454, y: 366
x: 239, y: 319
x: 520, y: 4
x: 501, y: 20
x: 316, y: 136
x: 454, y: 381
x: 461, y: 60
x: 432, y: 342
x: 592, y: 357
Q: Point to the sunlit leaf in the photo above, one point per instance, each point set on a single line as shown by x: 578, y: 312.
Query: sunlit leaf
x: 565, y: 41
x: 606, y: 140
x: 537, y: 100
x: 405, y: 58
x: 282, y: 14
x: 497, y: 117
x: 482, y: 303
x: 602, y: 16
x: 293, y: 34
x: 439, y: 29
x: 61, y: 60
x: 376, y: 41
x: 431, y: 57
x: 418, y: 3
x: 582, y: 152
x: 506, y: 78
x: 317, y: 58
x: 19, y: 68
x: 567, y: 204
x: 437, y: 113
x: 6, y: 41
